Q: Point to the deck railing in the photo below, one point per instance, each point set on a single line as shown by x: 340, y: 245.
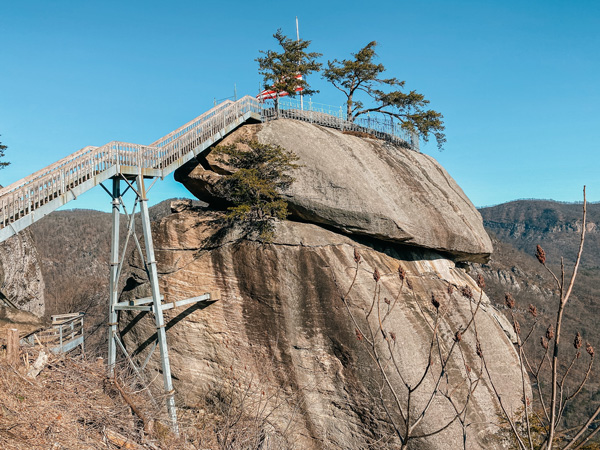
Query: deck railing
x: 335, y: 117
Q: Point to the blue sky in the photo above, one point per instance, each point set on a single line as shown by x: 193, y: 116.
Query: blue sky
x: 517, y: 82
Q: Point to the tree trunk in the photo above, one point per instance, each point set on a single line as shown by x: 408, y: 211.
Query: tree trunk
x: 349, y: 117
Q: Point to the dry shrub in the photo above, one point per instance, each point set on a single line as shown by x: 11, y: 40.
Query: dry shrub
x: 70, y: 405
x: 243, y: 411
x: 73, y: 405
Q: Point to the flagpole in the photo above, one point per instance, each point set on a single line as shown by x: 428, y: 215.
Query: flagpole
x: 298, y: 40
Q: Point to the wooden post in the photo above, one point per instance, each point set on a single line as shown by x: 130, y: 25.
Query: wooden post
x: 12, y: 346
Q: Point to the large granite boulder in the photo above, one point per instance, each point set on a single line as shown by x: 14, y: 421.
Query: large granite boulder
x: 281, y: 342
x: 364, y: 187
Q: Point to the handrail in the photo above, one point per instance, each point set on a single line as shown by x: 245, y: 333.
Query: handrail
x: 191, y: 124
x: 335, y: 117
x: 45, y: 170
x: 65, y: 333
x: 29, y: 194
x: 47, y: 189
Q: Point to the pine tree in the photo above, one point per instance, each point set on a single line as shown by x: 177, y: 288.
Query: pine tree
x: 254, y: 188
x: 280, y: 70
x: 362, y: 75
x: 3, y: 163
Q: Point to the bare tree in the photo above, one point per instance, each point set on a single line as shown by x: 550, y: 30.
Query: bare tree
x: 539, y: 425
x: 401, y: 393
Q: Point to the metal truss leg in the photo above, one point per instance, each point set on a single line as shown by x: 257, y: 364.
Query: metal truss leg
x: 113, y: 286
x: 158, y: 312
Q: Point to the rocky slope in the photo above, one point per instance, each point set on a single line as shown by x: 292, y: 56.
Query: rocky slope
x: 22, y: 284
x: 280, y: 330
x: 363, y: 187
x: 23, y: 321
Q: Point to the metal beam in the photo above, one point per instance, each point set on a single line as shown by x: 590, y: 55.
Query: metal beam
x: 158, y: 313
x: 140, y: 304
x: 121, y: 307
x: 114, y: 270
x: 188, y: 301
x: 142, y: 301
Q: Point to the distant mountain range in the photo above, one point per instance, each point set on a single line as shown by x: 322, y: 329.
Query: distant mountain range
x: 555, y: 226
x: 516, y: 228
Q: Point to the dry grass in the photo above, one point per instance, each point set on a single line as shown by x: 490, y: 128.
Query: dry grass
x: 70, y: 405
x: 73, y: 405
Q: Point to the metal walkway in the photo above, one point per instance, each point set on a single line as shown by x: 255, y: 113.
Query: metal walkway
x: 31, y: 198
x: 28, y: 200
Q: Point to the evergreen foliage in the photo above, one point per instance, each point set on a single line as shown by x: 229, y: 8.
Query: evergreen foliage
x: 3, y: 163
x: 279, y: 70
x: 255, y: 187
x: 362, y: 75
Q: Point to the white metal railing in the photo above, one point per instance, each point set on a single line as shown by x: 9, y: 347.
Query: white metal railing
x: 335, y: 117
x: 91, y: 165
x: 25, y: 196
x: 65, y: 334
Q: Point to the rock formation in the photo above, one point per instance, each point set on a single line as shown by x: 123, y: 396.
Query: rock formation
x: 24, y: 321
x: 281, y: 327
x: 282, y: 340
x: 364, y: 187
x: 22, y: 285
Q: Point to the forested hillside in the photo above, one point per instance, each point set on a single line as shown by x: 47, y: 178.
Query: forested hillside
x: 74, y: 247
x: 516, y: 228
x: 553, y: 225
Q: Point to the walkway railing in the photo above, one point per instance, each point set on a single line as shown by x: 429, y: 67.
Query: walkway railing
x: 65, y: 334
x: 335, y: 117
x: 31, y: 198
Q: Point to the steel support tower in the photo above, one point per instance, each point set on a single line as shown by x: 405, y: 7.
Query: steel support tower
x: 154, y: 303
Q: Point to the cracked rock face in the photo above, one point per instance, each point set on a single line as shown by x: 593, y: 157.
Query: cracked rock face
x: 21, y: 276
x: 281, y: 337
x: 363, y: 187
